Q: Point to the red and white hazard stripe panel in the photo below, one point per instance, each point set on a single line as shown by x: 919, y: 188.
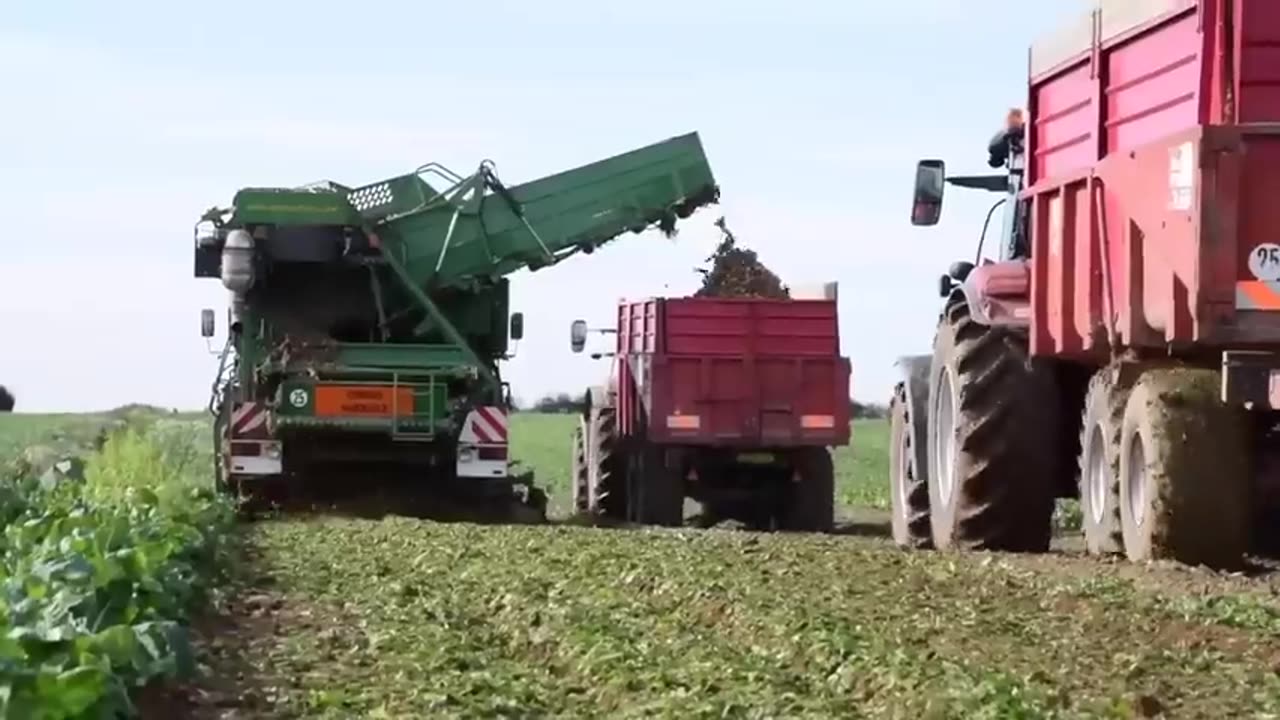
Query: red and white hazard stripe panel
x: 249, y: 420
x: 253, y: 451
x: 489, y: 425
x: 482, y: 444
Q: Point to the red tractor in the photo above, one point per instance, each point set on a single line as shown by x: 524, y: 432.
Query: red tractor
x: 1122, y: 349
x: 732, y: 402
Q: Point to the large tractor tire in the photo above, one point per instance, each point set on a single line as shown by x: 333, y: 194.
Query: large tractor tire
x: 1184, y: 471
x: 1099, y: 461
x: 579, y: 479
x: 655, y: 488
x: 993, y: 439
x: 810, y: 503
x: 606, y: 466
x: 908, y: 490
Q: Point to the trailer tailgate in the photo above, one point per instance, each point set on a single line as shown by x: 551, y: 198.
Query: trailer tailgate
x: 750, y: 400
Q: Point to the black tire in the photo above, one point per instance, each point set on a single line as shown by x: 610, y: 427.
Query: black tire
x: 1099, y: 460
x: 1004, y: 414
x: 655, y: 487
x: 1184, y: 471
x: 221, y: 479
x: 606, y: 486
x: 811, y: 501
x: 908, y: 491
x: 579, y: 490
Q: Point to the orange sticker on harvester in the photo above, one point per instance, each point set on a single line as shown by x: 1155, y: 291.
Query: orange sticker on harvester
x: 363, y: 401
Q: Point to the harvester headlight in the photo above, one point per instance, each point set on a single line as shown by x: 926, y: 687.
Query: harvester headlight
x: 272, y: 450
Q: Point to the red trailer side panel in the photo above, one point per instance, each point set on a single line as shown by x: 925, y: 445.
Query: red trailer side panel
x: 733, y: 372
x: 1154, y: 161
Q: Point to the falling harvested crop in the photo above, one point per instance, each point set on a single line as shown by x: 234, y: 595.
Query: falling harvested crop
x: 738, y: 272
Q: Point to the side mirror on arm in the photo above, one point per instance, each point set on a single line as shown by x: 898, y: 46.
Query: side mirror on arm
x: 578, y: 335
x: 926, y: 205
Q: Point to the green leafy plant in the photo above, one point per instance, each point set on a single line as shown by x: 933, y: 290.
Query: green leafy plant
x: 101, y: 561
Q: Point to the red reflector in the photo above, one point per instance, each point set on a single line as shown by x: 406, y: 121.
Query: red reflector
x: 492, y: 452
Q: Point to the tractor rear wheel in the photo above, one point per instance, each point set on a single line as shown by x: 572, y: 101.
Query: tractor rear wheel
x: 811, y: 501
x: 1099, y: 462
x: 993, y: 439
x: 1184, y: 471
x: 579, y: 479
x: 655, y: 488
x: 908, y: 491
x: 606, y: 466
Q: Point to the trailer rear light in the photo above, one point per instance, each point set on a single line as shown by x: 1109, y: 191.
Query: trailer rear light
x: 245, y: 449
x: 684, y: 422
x: 817, y: 422
x: 493, y: 452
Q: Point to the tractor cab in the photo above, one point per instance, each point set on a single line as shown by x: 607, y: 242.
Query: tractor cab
x: 1005, y: 150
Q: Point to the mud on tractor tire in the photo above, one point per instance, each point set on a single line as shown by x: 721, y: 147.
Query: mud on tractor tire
x: 1099, y: 461
x: 908, y: 490
x: 993, y: 439
x: 1184, y: 471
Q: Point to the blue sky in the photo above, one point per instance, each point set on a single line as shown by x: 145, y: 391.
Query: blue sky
x: 122, y: 122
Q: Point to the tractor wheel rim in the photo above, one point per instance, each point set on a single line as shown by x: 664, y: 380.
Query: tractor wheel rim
x: 1098, y: 475
x: 1137, y: 480
x: 945, y: 437
x: 904, y: 447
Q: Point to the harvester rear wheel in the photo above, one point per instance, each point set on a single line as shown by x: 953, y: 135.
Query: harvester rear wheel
x: 221, y: 479
x: 579, y: 480
x: 993, y: 439
x: 1099, y: 462
x: 1184, y: 471
x: 655, y: 487
x: 908, y: 492
x: 811, y: 501
x: 606, y: 466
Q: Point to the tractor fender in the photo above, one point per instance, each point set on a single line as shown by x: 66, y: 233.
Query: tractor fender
x: 913, y: 371
x: 998, y: 294
x: 597, y: 396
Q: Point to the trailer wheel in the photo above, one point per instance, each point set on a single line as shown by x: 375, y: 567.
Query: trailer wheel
x: 908, y: 494
x: 811, y: 501
x: 606, y: 469
x: 1099, y: 462
x: 655, y: 487
x: 580, y: 491
x: 1184, y: 471
x: 993, y: 439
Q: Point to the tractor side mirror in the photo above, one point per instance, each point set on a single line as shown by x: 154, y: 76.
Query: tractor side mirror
x: 578, y: 335
x: 206, y: 323
x: 517, y: 325
x: 926, y: 206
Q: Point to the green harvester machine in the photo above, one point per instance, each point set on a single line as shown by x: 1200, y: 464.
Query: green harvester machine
x: 366, y: 324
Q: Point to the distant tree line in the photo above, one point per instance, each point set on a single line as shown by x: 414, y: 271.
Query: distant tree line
x: 7, y: 400
x: 564, y: 403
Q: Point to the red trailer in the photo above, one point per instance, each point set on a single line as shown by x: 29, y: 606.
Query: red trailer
x: 731, y: 402
x: 1123, y: 346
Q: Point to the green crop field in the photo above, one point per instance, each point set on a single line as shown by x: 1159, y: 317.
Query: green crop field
x: 337, y: 617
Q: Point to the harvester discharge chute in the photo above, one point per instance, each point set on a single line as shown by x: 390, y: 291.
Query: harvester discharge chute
x: 366, y: 324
